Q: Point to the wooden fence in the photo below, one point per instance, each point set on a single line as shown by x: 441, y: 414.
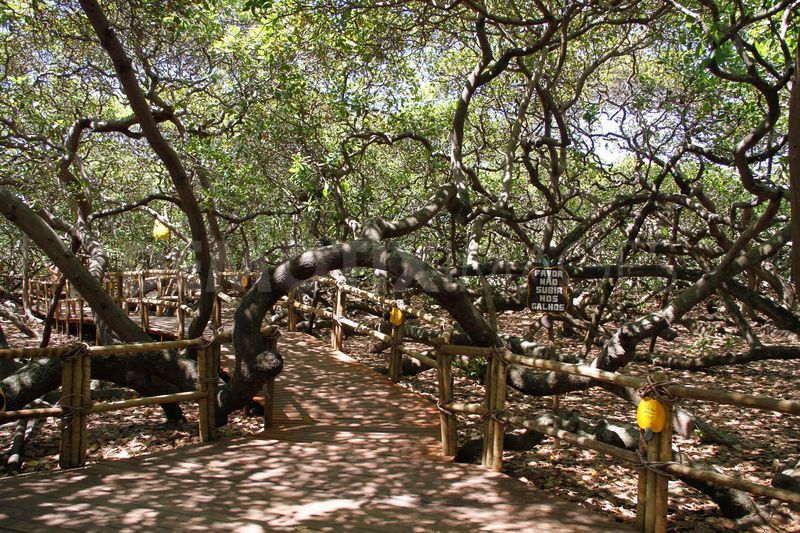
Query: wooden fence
x: 174, y: 290
x: 76, y: 403
x: 653, y: 460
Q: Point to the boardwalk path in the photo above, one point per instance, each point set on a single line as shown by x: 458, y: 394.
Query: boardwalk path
x: 350, y: 451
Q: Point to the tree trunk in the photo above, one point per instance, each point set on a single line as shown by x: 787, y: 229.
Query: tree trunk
x: 794, y: 169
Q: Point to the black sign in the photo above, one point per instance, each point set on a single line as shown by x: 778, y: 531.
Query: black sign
x: 548, y: 290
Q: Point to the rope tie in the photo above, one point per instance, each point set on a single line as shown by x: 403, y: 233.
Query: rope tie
x: 659, y: 390
x: 659, y: 467
x: 441, y: 407
x: 496, y: 415
x: 74, y: 351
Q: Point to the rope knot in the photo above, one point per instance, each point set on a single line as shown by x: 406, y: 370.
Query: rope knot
x: 658, y: 390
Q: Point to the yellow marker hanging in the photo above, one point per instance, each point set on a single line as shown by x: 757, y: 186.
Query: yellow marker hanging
x: 245, y: 281
x: 160, y: 231
x: 651, y: 415
x: 396, y: 317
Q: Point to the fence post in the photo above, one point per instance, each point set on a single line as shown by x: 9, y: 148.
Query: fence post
x: 653, y: 490
x: 292, y: 312
x: 121, y: 293
x: 142, y: 307
x: 160, y: 292
x: 207, y: 382
x: 80, y: 319
x: 180, y: 312
x: 499, y: 405
x: 75, y: 399
x: 396, y: 354
x: 269, y: 402
x: 495, y: 402
x: 67, y: 309
x: 337, y: 332
x: 447, y: 419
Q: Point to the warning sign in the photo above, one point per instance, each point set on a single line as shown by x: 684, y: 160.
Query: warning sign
x: 548, y: 290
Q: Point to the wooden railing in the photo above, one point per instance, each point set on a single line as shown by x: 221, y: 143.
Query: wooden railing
x: 128, y: 289
x: 653, y: 460
x: 76, y: 403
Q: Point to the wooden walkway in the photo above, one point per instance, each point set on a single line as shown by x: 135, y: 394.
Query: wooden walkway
x: 350, y: 451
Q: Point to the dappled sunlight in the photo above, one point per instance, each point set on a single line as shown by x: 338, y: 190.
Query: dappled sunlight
x: 349, y: 451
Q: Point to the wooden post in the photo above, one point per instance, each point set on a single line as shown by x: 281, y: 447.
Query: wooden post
x: 447, y: 419
x: 120, y: 293
x: 269, y: 402
x: 67, y: 308
x: 339, y: 311
x: 216, y: 322
x: 80, y: 319
x: 160, y: 292
x: 488, y: 428
x: 396, y: 354
x: 75, y: 398
x: 207, y: 382
x: 180, y: 312
x: 495, y: 402
x: 653, y: 491
x: 662, y: 482
x: 142, y: 307
x: 499, y: 404
x: 641, y: 496
x: 292, y: 317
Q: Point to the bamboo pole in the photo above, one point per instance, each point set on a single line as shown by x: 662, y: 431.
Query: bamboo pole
x: 75, y: 380
x: 24, y: 414
x: 447, y: 419
x: 487, y: 459
x: 80, y: 319
x: 180, y: 312
x: 292, y: 318
x: 207, y: 384
x: 650, y: 491
x: 77, y: 426
x: 86, y: 403
x: 499, y: 405
x: 142, y: 307
x: 681, y: 391
x: 405, y: 308
x: 641, y: 491
x: 120, y: 293
x: 160, y: 293
x: 67, y: 313
x: 337, y: 331
x: 148, y: 400
x: 396, y: 354
x: 662, y: 481
x: 67, y: 402
x: 419, y: 356
x: 269, y: 402
x: 465, y: 408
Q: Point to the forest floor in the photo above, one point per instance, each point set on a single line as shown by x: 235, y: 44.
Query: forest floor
x: 762, y: 439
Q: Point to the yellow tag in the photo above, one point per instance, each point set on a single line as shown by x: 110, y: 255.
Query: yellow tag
x: 396, y: 317
x: 651, y: 414
x: 160, y: 231
x: 245, y: 281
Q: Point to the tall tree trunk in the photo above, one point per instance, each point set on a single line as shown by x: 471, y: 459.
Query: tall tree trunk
x: 794, y: 170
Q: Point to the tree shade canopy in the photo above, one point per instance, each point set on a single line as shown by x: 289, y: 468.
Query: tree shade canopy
x: 644, y: 147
